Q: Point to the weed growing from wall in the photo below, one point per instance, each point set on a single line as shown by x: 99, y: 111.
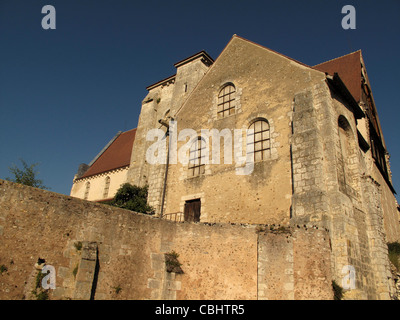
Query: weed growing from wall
x: 337, y: 291
x: 172, y: 263
x: 78, y: 245
x: 38, y: 291
x: 3, y: 268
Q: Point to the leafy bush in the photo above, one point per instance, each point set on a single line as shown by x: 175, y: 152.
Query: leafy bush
x: 132, y: 198
x: 394, y: 254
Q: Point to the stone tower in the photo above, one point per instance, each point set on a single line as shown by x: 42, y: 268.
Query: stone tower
x: 164, y: 99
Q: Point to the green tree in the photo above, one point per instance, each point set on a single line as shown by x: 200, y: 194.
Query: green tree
x: 26, y: 175
x: 132, y: 198
x: 394, y: 254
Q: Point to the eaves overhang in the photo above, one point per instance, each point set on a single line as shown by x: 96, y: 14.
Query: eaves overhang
x: 337, y: 84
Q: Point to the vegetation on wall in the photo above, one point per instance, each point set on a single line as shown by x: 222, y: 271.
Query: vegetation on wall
x: 172, y: 263
x: 78, y: 245
x: 337, y: 291
x: 27, y: 175
x: 132, y: 198
x: 117, y: 289
x: 38, y: 291
x: 3, y: 268
x: 394, y: 254
x: 75, y: 271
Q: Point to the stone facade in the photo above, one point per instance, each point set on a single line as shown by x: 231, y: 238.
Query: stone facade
x: 324, y: 166
x: 319, y: 154
x: 281, y: 252
x: 340, y: 195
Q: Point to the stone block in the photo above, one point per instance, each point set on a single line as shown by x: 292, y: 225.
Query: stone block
x: 154, y: 284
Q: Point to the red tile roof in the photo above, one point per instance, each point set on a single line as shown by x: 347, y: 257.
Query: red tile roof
x: 348, y: 68
x: 117, y: 155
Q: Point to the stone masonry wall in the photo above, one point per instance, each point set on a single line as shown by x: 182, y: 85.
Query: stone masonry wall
x: 323, y: 197
x: 102, y: 252
x: 292, y: 261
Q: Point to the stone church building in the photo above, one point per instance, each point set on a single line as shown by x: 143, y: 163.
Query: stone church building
x: 310, y: 135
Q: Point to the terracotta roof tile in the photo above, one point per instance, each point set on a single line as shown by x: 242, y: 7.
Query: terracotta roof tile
x: 348, y: 68
x: 117, y: 155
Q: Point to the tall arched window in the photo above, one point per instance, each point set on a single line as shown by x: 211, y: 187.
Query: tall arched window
x: 197, y: 157
x: 226, y: 101
x: 106, y: 187
x: 260, y: 138
x: 87, y: 188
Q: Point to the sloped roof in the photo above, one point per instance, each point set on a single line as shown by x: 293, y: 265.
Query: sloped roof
x: 116, y: 155
x: 348, y: 68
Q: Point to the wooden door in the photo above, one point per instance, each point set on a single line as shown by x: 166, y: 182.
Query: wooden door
x: 192, y: 210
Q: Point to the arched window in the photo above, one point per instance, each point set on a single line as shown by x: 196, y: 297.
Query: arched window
x: 260, y: 138
x: 226, y: 101
x: 106, y: 187
x: 87, y: 188
x: 197, y: 157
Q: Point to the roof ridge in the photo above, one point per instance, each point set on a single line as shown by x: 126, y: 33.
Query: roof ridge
x: 117, y: 135
x: 105, y: 148
x: 269, y: 49
x: 359, y: 50
x: 193, y: 56
x: 129, y: 130
x: 158, y: 83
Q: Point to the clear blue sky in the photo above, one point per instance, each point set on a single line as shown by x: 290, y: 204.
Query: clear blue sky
x: 65, y: 93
